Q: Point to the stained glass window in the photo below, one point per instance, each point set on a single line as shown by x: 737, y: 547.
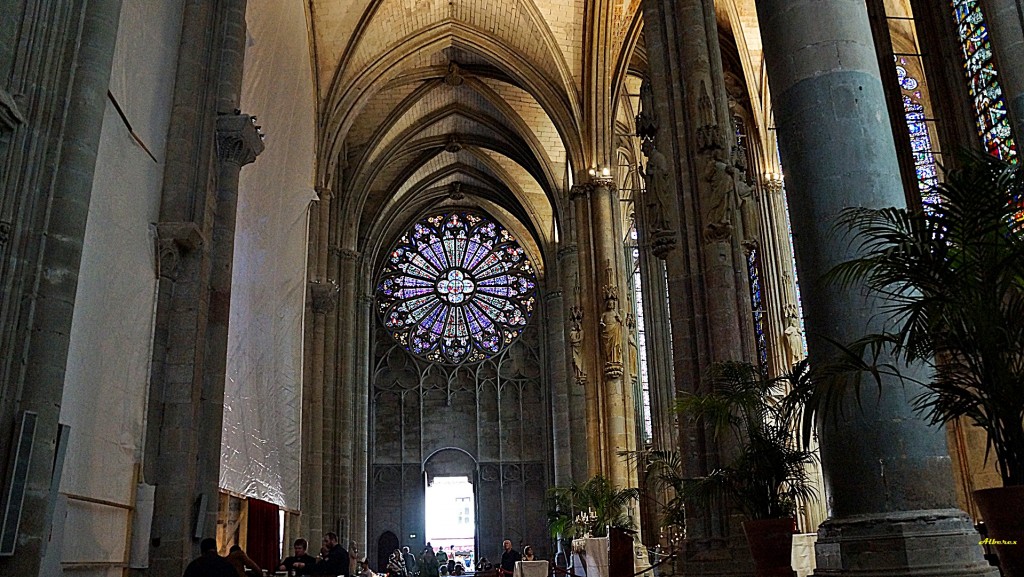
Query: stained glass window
x: 757, y: 304
x: 641, y: 337
x: 989, y: 104
x: 920, y: 140
x: 457, y: 288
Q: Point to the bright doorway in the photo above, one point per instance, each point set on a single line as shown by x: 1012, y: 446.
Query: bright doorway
x: 450, y: 520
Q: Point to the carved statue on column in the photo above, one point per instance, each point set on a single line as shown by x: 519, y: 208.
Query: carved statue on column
x: 611, y: 333
x: 632, y: 350
x: 576, y: 344
x: 707, y: 128
x: 657, y: 188
x: 659, y: 204
x: 792, y: 336
x: 646, y: 121
x: 720, y: 175
x: 745, y: 196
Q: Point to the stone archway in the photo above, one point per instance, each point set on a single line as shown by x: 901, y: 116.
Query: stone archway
x: 386, y: 544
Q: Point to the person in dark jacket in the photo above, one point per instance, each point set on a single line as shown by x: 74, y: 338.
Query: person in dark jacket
x: 301, y: 556
x: 209, y: 563
x: 508, y: 558
x: 334, y: 560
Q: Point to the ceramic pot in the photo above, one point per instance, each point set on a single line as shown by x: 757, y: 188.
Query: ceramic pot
x: 1001, y: 508
x: 771, y: 546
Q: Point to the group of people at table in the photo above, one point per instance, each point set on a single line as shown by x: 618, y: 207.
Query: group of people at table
x: 335, y: 560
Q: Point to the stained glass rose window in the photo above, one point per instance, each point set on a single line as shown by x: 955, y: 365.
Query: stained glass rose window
x: 457, y: 288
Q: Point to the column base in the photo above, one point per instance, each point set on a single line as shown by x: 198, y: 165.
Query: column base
x: 928, y: 543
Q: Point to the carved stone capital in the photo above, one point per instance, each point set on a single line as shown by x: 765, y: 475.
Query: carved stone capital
x: 567, y: 250
x: 347, y: 254
x: 662, y: 243
x: 10, y: 116
x: 604, y: 182
x: 5, y: 232
x: 366, y: 299
x: 580, y: 190
x: 613, y: 370
x: 238, y: 139
x: 552, y: 295
x: 323, y: 296
x: 322, y: 192
x: 174, y: 240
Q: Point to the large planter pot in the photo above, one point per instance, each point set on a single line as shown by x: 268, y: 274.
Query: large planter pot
x: 1001, y: 509
x: 771, y: 546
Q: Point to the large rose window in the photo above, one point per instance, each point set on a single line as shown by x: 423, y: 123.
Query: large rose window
x: 457, y: 288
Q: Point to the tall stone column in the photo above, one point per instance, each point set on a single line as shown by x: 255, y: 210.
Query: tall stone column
x: 887, y: 472
x: 38, y: 365
x: 597, y: 456
x: 709, y: 296
x: 238, y: 144
x: 576, y: 376
x: 208, y: 142
x: 559, y: 355
x: 347, y: 425
x: 361, y: 417
x: 608, y: 261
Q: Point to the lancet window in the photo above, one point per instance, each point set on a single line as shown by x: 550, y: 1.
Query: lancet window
x: 983, y: 80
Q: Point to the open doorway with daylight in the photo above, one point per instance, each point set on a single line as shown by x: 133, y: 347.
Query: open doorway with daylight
x: 450, y: 519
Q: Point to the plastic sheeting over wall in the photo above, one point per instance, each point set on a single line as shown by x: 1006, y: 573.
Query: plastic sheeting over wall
x: 107, y: 379
x: 261, y: 442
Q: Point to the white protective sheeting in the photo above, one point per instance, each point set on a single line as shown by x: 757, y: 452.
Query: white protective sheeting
x: 261, y: 441
x: 107, y: 378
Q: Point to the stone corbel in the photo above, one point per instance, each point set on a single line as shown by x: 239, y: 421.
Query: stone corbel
x: 323, y: 296
x: 175, y: 239
x: 10, y: 116
x: 238, y: 139
x: 581, y: 190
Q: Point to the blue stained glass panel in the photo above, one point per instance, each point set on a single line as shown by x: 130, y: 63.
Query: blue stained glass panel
x: 983, y: 81
x: 457, y: 288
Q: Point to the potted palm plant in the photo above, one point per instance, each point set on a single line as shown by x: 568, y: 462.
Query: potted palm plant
x: 589, y: 509
x: 769, y: 472
x: 952, y: 275
x: 595, y: 516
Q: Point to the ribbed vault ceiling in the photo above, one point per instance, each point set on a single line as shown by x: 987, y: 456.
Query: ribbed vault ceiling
x: 471, y: 102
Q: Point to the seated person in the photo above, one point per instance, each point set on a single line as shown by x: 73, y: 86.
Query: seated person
x: 301, y: 556
x: 240, y: 561
x: 364, y: 569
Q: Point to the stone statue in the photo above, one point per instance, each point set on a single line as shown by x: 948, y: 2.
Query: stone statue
x: 744, y: 195
x: 576, y: 349
x: 719, y: 174
x: 792, y: 336
x: 657, y: 188
x: 611, y: 331
x: 632, y: 350
x: 646, y: 122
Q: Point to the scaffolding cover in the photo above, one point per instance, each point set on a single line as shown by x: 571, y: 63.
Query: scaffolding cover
x: 261, y: 444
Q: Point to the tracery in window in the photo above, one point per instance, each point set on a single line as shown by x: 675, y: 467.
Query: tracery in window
x: 989, y: 104
x: 641, y: 334
x: 456, y: 288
